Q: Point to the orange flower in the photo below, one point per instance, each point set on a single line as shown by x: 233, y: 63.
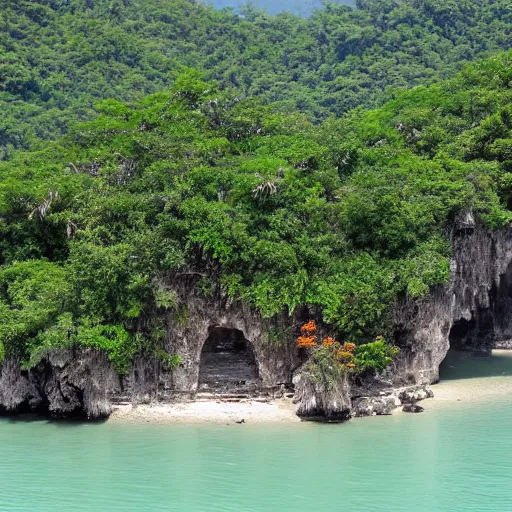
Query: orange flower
x: 306, y: 342
x: 309, y: 328
x: 344, y: 354
x: 349, y: 347
x: 327, y: 342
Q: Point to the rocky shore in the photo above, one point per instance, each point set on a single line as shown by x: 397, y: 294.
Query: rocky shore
x: 262, y: 410
x: 216, y: 340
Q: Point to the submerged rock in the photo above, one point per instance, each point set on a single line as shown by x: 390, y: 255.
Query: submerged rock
x: 414, y: 408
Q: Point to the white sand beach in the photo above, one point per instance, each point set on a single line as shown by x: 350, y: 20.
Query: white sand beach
x: 214, y: 411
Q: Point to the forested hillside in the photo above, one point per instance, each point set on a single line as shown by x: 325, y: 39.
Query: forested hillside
x: 252, y: 204
x: 57, y: 57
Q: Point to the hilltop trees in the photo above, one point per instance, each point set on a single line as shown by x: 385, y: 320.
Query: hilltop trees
x: 259, y: 205
x: 58, y: 58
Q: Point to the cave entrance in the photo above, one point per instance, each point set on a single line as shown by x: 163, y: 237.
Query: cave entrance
x: 473, y: 341
x: 487, y: 329
x: 475, y: 335
x: 228, y: 363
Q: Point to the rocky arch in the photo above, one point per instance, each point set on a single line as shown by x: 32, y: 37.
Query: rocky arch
x: 188, y: 329
x: 228, y: 362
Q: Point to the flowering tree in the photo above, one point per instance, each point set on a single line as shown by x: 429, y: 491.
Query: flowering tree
x: 347, y: 357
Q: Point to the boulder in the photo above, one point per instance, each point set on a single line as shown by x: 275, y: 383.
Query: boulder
x: 413, y: 395
x: 374, y: 406
x: 321, y: 399
x: 414, y: 408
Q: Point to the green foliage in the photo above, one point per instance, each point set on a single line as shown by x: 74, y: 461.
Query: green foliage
x: 323, y: 366
x: 58, y: 58
x: 165, y: 298
x: 97, y: 229
x: 169, y: 361
x: 375, y: 356
x: 32, y: 295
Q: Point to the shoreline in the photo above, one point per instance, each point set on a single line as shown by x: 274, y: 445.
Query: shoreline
x: 203, y: 412
x: 492, y: 379
x: 481, y: 386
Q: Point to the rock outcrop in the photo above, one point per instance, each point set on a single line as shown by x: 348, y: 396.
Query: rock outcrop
x: 321, y: 399
x: 374, y: 406
x: 83, y: 382
x: 17, y: 392
x: 414, y: 408
x: 471, y: 312
x: 379, y: 401
x: 65, y: 383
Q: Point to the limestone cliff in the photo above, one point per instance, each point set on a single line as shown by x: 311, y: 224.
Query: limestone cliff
x: 323, y: 399
x: 83, y: 382
x: 471, y: 311
x: 64, y: 383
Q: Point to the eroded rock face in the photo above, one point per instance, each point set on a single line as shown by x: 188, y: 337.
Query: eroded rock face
x: 319, y: 400
x: 65, y: 383
x: 17, y: 392
x: 186, y: 334
x: 471, y: 312
x: 84, y: 383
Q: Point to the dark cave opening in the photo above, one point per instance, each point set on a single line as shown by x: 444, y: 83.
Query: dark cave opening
x: 474, y: 335
x: 489, y: 326
x: 487, y: 329
x: 228, y: 362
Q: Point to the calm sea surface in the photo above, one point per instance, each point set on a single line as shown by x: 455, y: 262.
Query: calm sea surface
x: 450, y: 458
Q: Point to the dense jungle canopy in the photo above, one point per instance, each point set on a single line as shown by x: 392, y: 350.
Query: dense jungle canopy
x: 57, y: 57
x: 273, y: 184
x: 263, y: 206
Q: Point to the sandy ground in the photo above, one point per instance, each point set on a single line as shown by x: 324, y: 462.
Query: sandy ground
x: 247, y: 411
x: 469, y: 390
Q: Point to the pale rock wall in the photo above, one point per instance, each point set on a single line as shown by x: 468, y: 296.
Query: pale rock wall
x: 476, y: 303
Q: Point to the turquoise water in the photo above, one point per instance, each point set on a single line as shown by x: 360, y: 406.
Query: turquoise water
x: 449, y: 459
